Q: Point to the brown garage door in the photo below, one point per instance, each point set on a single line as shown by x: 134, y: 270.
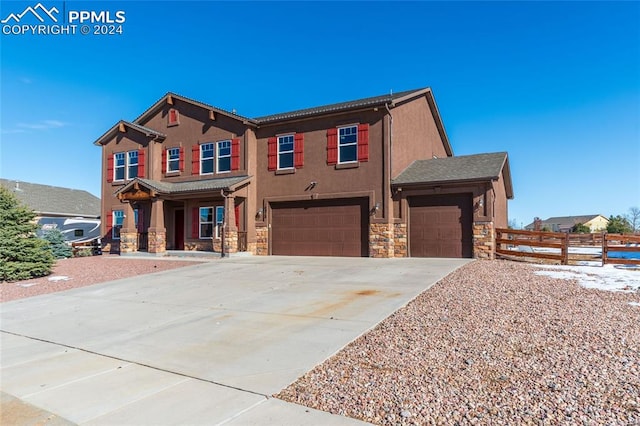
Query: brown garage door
x: 320, y: 228
x: 440, y: 226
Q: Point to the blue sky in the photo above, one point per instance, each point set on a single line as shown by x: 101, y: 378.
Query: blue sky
x: 555, y: 84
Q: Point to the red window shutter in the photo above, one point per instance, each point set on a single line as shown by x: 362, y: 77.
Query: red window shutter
x: 235, y: 153
x: 181, y: 160
x: 108, y: 225
x: 110, y: 168
x: 195, y: 222
x: 332, y: 146
x: 237, y: 213
x: 363, y: 142
x: 141, y: 163
x: 298, y: 150
x: 173, y: 116
x: 164, y: 161
x: 195, y: 160
x: 273, y: 153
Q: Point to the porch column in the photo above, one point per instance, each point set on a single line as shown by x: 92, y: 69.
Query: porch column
x: 231, y: 230
x: 157, y: 232
x: 128, y: 232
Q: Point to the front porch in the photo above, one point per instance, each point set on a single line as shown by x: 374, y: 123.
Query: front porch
x: 203, y: 216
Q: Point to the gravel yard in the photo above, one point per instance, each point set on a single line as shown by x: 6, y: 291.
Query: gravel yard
x: 84, y: 271
x: 491, y: 343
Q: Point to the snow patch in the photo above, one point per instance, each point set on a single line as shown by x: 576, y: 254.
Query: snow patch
x: 57, y: 278
x: 606, y: 277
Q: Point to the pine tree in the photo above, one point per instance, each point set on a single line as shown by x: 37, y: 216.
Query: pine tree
x: 22, y: 254
x: 618, y: 225
x: 59, y: 247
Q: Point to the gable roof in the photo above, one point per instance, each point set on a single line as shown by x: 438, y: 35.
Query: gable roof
x: 227, y: 183
x: 54, y: 200
x: 567, y: 221
x: 148, y: 132
x: 339, y: 107
x: 160, y: 103
x: 390, y: 100
x: 465, y: 168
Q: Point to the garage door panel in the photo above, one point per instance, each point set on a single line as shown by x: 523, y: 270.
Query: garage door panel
x: 440, y: 226
x: 320, y: 228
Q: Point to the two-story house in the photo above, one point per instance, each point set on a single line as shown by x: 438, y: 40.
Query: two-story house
x: 371, y: 177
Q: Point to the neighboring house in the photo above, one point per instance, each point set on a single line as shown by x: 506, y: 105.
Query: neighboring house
x: 371, y: 177
x: 596, y: 222
x: 76, y: 213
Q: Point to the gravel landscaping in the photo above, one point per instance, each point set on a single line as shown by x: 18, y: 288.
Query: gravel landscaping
x: 84, y: 271
x: 492, y: 343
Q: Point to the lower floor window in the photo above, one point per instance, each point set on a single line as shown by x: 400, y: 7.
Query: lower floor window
x: 209, y: 227
x: 118, y: 220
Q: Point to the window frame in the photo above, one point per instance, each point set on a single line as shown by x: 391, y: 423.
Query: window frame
x: 116, y: 215
x: 116, y: 166
x: 129, y: 164
x: 201, y: 222
x: 341, y: 145
x: 176, y: 160
x: 279, y: 152
x: 219, y: 222
x: 218, y: 156
x: 212, y: 158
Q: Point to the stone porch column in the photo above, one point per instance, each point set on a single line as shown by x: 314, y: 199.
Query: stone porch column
x: 128, y: 232
x: 157, y: 231
x: 231, y: 230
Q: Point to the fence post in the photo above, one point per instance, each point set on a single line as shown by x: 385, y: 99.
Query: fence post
x: 604, y: 248
x: 565, y: 249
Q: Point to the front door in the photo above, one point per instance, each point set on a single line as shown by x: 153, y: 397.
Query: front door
x: 179, y: 229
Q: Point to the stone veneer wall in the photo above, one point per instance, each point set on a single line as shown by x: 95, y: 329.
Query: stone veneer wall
x: 157, y: 241
x: 204, y: 245
x: 128, y: 242
x: 484, y: 240
x: 381, y: 240
x: 262, y: 241
x: 400, y: 240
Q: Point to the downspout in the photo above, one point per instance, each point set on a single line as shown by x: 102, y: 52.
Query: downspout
x: 386, y: 105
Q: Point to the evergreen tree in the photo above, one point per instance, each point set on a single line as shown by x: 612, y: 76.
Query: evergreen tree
x: 618, y: 225
x: 59, y: 247
x: 22, y: 254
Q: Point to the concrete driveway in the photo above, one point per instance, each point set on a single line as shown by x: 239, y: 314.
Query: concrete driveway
x: 206, y: 344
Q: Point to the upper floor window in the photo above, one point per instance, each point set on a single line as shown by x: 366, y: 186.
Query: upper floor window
x: 224, y: 156
x: 215, y: 157
x: 206, y: 158
x: 126, y: 165
x: 347, y: 144
x: 285, y: 152
x: 119, y: 165
x: 132, y: 164
x: 173, y: 160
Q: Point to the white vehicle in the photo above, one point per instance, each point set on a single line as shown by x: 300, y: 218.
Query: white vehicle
x: 74, y: 230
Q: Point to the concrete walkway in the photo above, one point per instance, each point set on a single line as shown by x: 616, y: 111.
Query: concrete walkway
x: 206, y: 344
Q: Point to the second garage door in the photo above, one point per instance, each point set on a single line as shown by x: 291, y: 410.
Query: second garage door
x: 320, y: 228
x: 440, y: 226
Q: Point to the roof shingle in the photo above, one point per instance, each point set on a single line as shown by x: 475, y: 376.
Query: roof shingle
x: 191, y: 186
x: 54, y: 200
x: 454, y: 169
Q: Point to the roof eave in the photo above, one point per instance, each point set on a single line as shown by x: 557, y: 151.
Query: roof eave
x: 109, y: 134
x: 443, y: 182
